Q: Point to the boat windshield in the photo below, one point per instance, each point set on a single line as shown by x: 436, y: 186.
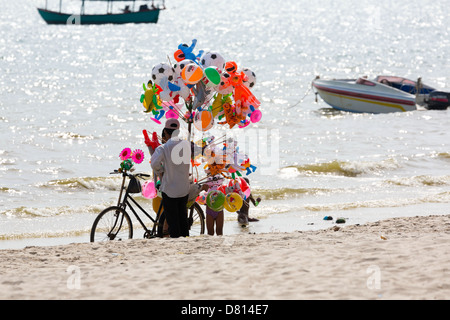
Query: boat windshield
x: 365, y: 82
x: 393, y: 79
x: 403, y: 84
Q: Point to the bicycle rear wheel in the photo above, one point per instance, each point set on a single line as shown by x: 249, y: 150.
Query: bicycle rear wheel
x: 113, y: 223
x: 196, y: 220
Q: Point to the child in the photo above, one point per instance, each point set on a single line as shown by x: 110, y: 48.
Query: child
x: 214, y: 217
x: 243, y: 218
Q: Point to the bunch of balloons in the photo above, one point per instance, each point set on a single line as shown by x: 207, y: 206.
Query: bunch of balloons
x: 224, y: 158
x: 202, y: 88
x: 224, y: 162
x: 212, y: 89
x: 222, y: 195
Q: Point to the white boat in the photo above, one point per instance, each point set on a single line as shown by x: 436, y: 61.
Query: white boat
x: 364, y: 96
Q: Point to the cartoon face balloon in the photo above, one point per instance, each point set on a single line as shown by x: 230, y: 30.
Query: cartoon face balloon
x: 225, y: 86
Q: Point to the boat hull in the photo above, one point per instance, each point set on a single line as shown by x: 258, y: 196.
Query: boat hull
x: 52, y: 17
x: 347, y: 95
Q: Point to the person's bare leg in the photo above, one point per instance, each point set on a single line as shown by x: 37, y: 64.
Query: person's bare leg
x: 219, y: 224
x: 210, y: 224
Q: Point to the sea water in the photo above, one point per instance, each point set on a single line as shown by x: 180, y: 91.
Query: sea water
x: 69, y: 103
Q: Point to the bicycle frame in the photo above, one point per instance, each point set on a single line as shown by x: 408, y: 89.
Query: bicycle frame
x: 129, y: 201
x: 118, y: 216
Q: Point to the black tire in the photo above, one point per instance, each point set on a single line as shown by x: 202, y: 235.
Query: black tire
x: 113, y: 223
x: 196, y: 220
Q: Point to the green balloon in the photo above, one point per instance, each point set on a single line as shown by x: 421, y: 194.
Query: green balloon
x: 213, y: 75
x: 215, y: 200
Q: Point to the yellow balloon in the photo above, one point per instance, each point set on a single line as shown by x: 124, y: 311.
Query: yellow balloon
x: 148, y: 101
x: 155, y: 203
x: 218, y: 103
x: 233, y: 202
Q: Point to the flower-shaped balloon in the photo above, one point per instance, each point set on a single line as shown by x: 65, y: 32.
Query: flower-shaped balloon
x: 137, y: 156
x: 125, y: 154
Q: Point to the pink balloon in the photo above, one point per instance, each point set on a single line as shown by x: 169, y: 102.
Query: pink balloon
x: 243, y: 125
x: 171, y: 114
x: 255, y: 116
x: 149, y: 190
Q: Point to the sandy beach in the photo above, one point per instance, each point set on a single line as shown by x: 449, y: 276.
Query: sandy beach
x: 400, y: 258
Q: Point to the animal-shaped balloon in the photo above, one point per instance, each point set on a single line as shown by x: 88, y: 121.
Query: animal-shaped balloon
x: 169, y: 89
x: 186, y: 52
x: 217, y: 105
x: 225, y: 86
x: 149, y: 98
x: 232, y: 117
x: 214, y: 182
x: 200, y: 94
x: 234, y: 186
x: 248, y: 166
x: 216, y: 161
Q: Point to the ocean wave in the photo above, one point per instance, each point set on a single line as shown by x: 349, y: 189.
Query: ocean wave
x: 7, y: 162
x: 34, y: 212
x: 45, y: 234
x: 68, y: 136
x: 422, y: 180
x: 444, y: 156
x: 347, y: 168
x: 442, y: 197
x: 85, y: 183
x: 284, y: 193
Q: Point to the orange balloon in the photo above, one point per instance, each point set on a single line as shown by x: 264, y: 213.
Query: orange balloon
x: 179, y: 55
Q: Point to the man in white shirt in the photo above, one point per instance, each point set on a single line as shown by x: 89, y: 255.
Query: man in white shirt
x: 171, y: 161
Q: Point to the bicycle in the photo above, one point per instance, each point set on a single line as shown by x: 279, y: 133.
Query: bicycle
x: 114, y: 223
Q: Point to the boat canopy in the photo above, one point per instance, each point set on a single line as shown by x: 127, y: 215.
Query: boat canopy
x: 160, y: 5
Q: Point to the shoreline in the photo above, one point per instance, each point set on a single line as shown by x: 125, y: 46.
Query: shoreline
x: 398, y: 258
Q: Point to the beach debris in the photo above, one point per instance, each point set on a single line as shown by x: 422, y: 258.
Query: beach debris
x: 340, y: 220
x: 336, y: 228
x: 383, y: 238
x: 328, y: 218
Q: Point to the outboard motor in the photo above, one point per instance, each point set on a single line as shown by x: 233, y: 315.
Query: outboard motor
x: 438, y: 100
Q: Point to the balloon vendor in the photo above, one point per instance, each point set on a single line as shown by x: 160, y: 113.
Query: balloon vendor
x: 203, y: 90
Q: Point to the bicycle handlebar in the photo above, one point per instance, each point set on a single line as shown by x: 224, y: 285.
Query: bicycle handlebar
x: 130, y: 174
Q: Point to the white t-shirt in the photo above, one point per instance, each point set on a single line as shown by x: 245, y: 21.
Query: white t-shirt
x: 173, y: 159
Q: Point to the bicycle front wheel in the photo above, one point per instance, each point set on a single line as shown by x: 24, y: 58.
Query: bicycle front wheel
x: 113, y: 223
x: 196, y: 220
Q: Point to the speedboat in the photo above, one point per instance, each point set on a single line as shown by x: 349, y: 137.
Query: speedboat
x: 384, y: 94
x: 364, y: 96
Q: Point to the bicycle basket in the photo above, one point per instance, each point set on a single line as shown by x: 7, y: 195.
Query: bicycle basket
x: 134, y: 186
